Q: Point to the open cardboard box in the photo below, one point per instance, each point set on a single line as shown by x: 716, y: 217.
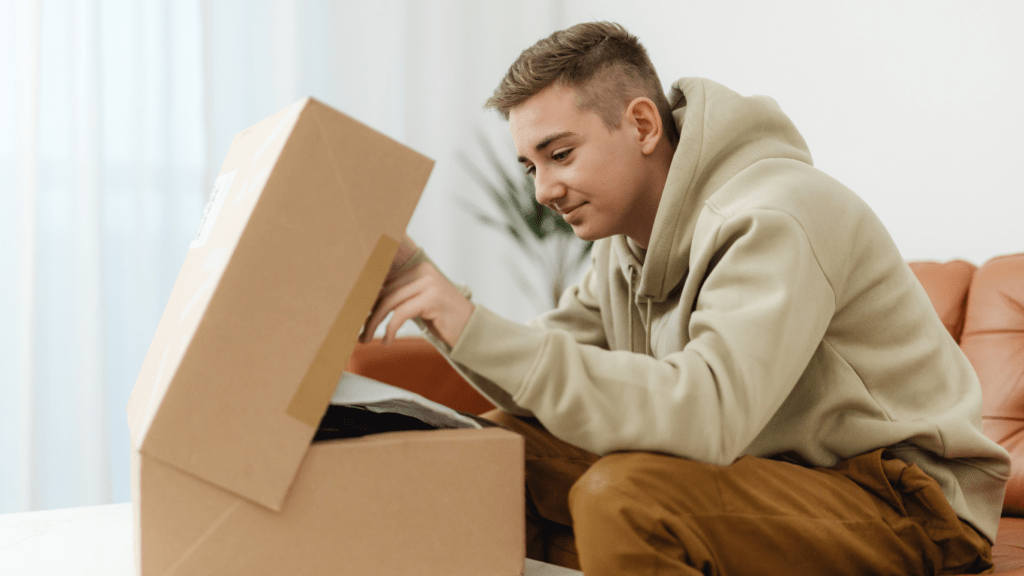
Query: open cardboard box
x: 294, y: 245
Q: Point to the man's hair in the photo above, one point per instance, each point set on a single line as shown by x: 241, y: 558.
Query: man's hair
x: 606, y: 66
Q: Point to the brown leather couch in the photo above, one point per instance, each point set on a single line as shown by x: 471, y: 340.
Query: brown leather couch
x: 982, y: 307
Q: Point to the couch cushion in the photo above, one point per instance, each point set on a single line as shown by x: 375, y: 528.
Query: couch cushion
x: 946, y: 284
x: 1008, y: 552
x: 993, y: 340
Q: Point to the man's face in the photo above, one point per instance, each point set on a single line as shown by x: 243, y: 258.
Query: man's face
x: 591, y: 175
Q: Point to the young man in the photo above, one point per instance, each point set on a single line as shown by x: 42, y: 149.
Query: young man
x: 748, y: 379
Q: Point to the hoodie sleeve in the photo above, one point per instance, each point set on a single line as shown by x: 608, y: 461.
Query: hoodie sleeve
x: 577, y: 313
x: 760, y: 314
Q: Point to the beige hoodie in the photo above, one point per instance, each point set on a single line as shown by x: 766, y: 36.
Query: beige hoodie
x: 772, y: 315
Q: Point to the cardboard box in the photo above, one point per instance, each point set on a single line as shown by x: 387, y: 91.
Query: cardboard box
x: 295, y: 242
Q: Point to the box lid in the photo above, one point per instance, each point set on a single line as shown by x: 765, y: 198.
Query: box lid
x: 295, y: 242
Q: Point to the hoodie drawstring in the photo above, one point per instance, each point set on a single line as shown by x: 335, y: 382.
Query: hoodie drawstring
x: 647, y: 329
x: 629, y: 323
x: 647, y: 319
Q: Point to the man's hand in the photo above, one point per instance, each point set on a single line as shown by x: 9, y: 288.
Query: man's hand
x: 405, y: 251
x: 420, y: 291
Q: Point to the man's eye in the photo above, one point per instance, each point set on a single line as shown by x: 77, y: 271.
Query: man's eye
x: 530, y: 171
x: 561, y: 154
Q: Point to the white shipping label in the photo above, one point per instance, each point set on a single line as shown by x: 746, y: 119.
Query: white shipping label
x: 213, y: 206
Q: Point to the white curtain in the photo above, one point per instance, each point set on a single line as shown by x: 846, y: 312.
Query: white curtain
x: 416, y: 70
x: 101, y: 166
x: 114, y: 118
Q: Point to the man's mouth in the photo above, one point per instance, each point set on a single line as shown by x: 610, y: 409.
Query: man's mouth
x: 566, y: 211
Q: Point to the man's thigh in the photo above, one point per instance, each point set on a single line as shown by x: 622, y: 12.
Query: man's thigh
x: 552, y: 466
x: 760, y: 516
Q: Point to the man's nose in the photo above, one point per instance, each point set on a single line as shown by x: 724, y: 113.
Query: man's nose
x: 547, y: 189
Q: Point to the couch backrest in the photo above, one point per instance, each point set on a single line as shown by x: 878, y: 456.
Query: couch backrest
x: 991, y: 334
x: 947, y: 284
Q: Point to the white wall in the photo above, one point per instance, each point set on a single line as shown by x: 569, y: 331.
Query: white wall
x: 915, y: 105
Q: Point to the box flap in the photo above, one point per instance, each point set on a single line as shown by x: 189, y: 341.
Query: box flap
x: 297, y: 237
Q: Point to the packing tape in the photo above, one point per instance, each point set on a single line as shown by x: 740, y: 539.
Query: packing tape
x: 317, y: 387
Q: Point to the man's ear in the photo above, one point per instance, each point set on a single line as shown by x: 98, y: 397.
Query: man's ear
x: 642, y: 112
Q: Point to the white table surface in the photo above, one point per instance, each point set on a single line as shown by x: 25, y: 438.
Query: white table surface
x: 97, y: 541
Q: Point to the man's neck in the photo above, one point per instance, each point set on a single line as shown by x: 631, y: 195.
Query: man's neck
x: 660, y: 162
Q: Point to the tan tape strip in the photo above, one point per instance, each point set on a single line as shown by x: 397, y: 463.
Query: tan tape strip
x: 315, y: 391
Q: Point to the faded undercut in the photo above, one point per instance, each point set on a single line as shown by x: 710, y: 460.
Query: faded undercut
x: 606, y: 66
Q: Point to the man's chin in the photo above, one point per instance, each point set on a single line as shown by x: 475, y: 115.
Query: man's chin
x: 586, y: 234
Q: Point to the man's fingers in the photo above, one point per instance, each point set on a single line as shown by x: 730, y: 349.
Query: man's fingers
x: 424, y: 294
x: 405, y: 311
x: 386, y: 304
x: 390, y: 286
x: 406, y: 249
x: 396, y: 282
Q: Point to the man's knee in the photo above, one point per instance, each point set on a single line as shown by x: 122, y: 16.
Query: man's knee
x: 621, y: 484
x: 614, y: 484
x: 625, y: 513
x: 593, y: 492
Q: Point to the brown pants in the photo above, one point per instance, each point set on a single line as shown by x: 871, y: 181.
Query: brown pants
x: 645, y: 513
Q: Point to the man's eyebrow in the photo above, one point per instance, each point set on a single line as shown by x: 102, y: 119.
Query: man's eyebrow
x: 547, y: 142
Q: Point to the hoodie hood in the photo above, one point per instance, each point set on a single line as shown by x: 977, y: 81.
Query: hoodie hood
x: 721, y: 134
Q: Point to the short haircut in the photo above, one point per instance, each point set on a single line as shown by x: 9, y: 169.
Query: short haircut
x: 606, y: 66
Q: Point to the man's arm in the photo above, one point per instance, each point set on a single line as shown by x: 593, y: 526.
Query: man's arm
x: 760, y: 316
x: 415, y: 286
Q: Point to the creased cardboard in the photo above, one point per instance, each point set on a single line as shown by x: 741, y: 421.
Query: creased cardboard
x: 315, y: 390
x: 295, y: 242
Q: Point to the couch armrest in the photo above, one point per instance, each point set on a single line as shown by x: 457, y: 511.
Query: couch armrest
x: 414, y: 364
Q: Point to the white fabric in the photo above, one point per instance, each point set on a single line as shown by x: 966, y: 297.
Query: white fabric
x: 353, y: 389
x: 101, y: 187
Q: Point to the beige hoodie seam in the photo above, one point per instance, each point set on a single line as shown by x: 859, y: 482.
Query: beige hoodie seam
x: 881, y: 408
x: 728, y: 216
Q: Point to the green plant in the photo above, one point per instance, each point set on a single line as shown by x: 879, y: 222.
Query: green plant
x: 546, y: 239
